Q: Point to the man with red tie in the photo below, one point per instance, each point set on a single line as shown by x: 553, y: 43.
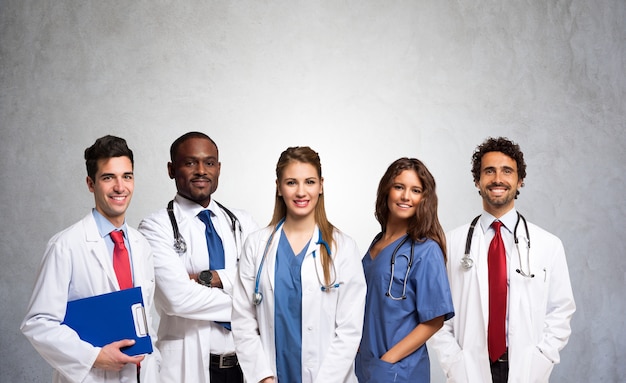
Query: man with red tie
x: 509, y: 281
x: 97, y: 255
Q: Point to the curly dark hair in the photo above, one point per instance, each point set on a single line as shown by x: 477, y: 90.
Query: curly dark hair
x: 503, y: 145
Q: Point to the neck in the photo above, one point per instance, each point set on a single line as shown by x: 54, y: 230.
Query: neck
x: 299, y: 224
x: 395, y: 230
x: 498, y: 212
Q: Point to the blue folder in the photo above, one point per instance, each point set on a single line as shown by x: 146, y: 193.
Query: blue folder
x: 106, y: 318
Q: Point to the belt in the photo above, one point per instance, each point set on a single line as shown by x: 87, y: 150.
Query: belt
x: 504, y: 358
x: 224, y: 360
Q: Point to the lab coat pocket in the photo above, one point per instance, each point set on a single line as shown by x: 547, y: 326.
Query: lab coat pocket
x: 540, y: 368
x: 172, y: 354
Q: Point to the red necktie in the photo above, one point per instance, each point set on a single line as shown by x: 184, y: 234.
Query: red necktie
x: 496, y: 332
x: 121, y: 262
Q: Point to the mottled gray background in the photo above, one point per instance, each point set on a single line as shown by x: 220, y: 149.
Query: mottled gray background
x: 362, y: 82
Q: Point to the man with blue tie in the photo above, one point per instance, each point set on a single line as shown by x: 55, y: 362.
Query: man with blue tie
x: 197, y: 243
x: 97, y: 255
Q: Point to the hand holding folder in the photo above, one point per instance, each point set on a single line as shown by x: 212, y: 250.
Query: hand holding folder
x: 106, y: 318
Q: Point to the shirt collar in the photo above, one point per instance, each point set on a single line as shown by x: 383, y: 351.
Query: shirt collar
x: 193, y: 208
x: 105, y: 226
x: 508, y: 220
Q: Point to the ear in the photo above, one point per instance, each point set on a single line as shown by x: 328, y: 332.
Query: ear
x: 170, y: 170
x: 90, y: 184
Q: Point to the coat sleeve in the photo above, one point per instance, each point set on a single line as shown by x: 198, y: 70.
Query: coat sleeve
x: 339, y: 358
x: 560, y: 305
x: 58, y: 344
x: 176, y: 294
x: 248, y: 225
x: 254, y: 359
x: 444, y: 342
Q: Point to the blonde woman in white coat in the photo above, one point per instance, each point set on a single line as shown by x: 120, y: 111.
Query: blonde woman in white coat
x: 299, y: 300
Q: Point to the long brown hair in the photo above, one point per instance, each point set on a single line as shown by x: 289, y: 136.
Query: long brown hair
x: 306, y: 155
x: 425, y: 223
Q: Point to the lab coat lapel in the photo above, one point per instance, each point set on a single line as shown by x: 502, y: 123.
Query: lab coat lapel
x: 270, y: 261
x: 98, y: 249
x: 482, y: 270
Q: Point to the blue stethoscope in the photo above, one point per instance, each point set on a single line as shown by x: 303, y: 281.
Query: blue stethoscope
x: 393, y: 267
x: 257, y: 296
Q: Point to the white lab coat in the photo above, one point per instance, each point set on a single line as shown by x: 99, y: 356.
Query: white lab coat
x: 331, y: 321
x: 78, y: 264
x: 187, y: 309
x: 539, y: 308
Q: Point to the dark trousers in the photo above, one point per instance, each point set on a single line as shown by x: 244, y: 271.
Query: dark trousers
x: 226, y: 375
x: 500, y: 369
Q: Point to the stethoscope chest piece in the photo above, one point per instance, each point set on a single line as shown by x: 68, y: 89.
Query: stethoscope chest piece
x: 180, y: 246
x: 467, y: 262
x: 257, y: 298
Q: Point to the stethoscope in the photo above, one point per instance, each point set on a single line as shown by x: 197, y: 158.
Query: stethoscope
x: 467, y: 262
x: 257, y: 296
x: 180, y: 246
x: 393, y: 267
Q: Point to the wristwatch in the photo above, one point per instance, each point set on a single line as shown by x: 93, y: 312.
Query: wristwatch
x: 205, y: 278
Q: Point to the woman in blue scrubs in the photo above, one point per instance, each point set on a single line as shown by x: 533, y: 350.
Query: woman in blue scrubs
x: 299, y: 298
x: 408, y: 295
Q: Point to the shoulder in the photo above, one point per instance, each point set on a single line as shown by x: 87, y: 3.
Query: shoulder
x: 427, y: 248
x: 260, y: 234
x: 541, y: 233
x: 244, y: 217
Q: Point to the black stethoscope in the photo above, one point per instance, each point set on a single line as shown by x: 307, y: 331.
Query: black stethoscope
x: 179, y: 242
x: 257, y: 296
x: 393, y: 267
x: 467, y: 262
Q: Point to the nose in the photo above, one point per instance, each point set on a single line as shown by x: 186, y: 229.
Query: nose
x: 119, y: 185
x: 201, y: 169
x: 300, y: 190
x: 405, y: 195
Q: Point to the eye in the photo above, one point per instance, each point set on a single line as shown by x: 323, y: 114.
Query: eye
x: 210, y: 163
x: 398, y: 187
x: 311, y: 182
x: 128, y: 176
x: 417, y: 191
x: 190, y: 163
x: 290, y: 182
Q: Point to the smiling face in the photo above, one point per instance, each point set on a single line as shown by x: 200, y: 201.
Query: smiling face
x: 498, y: 183
x: 196, y: 170
x: 404, y: 196
x: 112, y: 188
x: 300, y: 187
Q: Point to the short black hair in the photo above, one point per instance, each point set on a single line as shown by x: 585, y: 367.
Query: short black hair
x: 185, y: 137
x: 104, y: 148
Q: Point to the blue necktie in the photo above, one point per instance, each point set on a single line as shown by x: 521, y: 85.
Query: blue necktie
x: 213, y: 241
x: 216, y: 249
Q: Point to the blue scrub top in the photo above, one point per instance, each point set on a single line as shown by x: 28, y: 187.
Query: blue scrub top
x: 288, y: 311
x: 388, y: 321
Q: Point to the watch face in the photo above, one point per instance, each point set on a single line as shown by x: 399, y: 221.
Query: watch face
x: 205, y: 277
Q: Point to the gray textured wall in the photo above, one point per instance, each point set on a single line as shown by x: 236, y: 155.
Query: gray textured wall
x: 362, y: 82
